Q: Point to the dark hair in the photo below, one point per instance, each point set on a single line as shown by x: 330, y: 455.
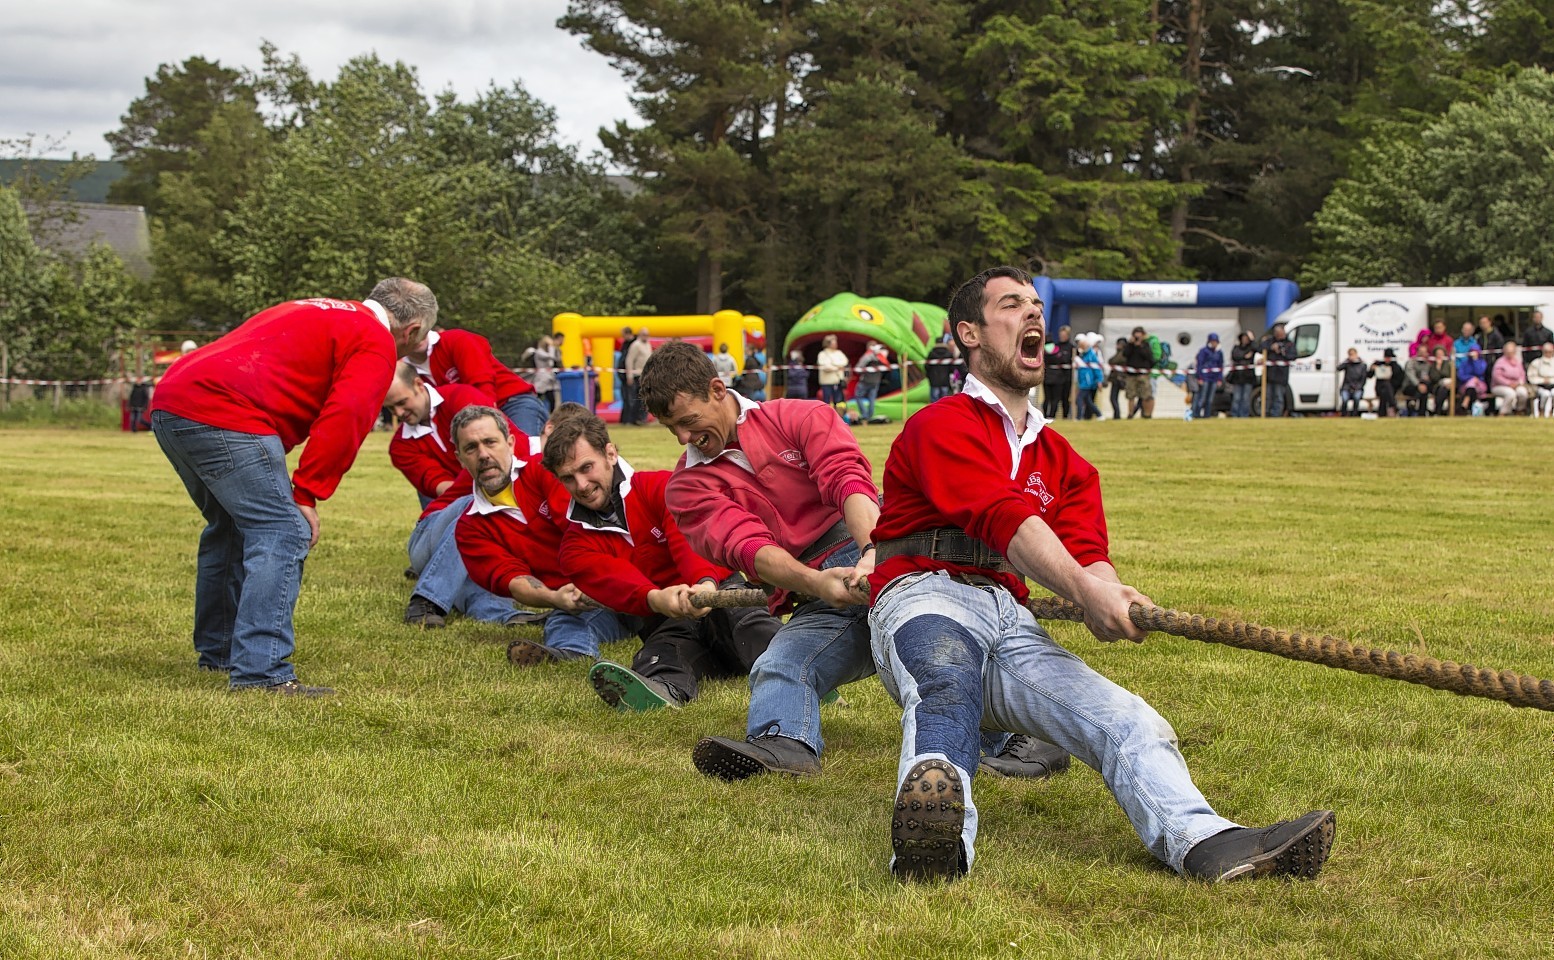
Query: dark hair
x: 405, y: 372
x: 673, y: 369
x: 564, y: 436
x: 472, y: 413
x: 571, y: 410
x: 967, y: 300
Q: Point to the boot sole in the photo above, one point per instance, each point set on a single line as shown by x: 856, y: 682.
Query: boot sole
x: 1299, y: 858
x: 925, y: 826
x: 522, y: 653
x: 623, y: 689
x: 720, y: 758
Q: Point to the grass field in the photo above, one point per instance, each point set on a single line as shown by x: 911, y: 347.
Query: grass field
x: 448, y: 805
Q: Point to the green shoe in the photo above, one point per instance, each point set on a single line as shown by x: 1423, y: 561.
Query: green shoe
x: 625, y: 689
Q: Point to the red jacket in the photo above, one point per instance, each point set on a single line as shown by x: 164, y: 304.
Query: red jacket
x: 458, y: 356
x: 619, y: 566
x: 951, y: 467
x: 499, y: 544
x: 424, y: 454
x: 806, y: 462
x: 314, y: 370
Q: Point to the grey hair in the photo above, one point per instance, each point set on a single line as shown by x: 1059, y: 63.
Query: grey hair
x: 472, y: 413
x: 406, y: 301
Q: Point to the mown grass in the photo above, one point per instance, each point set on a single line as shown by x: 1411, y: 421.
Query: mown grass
x: 447, y: 805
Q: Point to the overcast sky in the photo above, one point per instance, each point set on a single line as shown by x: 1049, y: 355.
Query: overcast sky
x: 70, y: 71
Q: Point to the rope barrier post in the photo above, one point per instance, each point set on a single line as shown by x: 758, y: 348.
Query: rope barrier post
x: 5, y: 374
x: 1453, y: 386
x: 1265, y: 387
x: 56, y: 395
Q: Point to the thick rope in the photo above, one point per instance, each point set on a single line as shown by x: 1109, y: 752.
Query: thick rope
x: 1507, y: 686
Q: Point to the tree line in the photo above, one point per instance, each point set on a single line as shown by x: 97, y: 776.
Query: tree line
x: 785, y: 150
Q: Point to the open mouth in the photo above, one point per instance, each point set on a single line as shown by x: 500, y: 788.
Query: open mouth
x: 1030, y: 347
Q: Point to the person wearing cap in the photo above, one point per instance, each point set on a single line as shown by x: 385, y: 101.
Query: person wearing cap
x: 227, y: 414
x: 1388, y: 374
x: 1210, y: 370
x: 981, y: 493
x: 1088, y: 375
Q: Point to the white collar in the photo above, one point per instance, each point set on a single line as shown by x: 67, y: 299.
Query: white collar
x: 482, y: 504
x: 624, y: 528
x: 695, y: 458
x: 379, y: 312
x: 429, y: 428
x: 1034, y: 421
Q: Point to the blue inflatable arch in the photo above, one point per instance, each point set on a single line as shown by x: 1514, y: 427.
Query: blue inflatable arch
x: 1274, y: 296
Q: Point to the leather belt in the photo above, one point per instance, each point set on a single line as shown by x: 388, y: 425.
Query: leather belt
x: 949, y: 544
x: 833, y: 536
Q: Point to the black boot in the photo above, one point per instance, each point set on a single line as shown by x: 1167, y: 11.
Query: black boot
x: 768, y: 753
x: 1292, y: 848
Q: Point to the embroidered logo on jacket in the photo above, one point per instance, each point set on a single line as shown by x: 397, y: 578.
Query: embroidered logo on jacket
x: 451, y: 375
x: 658, y: 535
x: 324, y: 303
x: 1034, y: 484
x: 545, y: 508
x: 794, y: 457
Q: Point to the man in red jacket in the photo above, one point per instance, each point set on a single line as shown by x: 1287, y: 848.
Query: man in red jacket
x: 624, y: 550
x: 423, y: 451
x: 459, y: 356
x: 510, y: 539
x: 779, y: 491
x: 980, y: 493
x: 225, y: 416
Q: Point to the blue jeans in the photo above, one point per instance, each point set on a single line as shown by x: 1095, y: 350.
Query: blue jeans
x: 819, y: 649
x: 1276, y: 394
x: 938, y: 393
x: 434, y: 554
x: 249, y: 570
x: 1241, y: 399
x: 582, y: 633
x: 959, y: 658
x: 1350, y: 400
x: 527, y: 412
x: 865, y: 396
x: 628, y: 402
x: 1203, y: 400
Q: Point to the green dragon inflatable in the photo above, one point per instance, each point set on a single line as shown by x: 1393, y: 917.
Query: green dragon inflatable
x: 907, y: 328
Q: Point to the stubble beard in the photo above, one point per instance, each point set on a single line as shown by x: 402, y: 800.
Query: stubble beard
x: 1004, y: 370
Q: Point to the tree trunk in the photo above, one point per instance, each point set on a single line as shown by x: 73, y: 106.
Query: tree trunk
x: 1192, y: 66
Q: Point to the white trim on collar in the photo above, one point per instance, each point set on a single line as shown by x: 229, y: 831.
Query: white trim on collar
x: 625, y: 528
x: 379, y: 311
x: 424, y: 368
x: 695, y: 458
x: 429, y: 428
x: 1034, y: 421
x: 481, y: 504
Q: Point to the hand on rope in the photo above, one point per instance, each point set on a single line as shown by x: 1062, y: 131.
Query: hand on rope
x: 1507, y: 686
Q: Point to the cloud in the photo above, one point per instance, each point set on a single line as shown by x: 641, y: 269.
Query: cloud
x: 71, y: 71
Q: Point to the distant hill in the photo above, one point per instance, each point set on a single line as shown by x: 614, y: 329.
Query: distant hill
x: 92, y: 188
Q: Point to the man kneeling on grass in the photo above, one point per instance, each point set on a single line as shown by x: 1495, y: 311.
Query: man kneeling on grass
x: 624, y: 550
x: 972, y: 480
x: 510, y: 539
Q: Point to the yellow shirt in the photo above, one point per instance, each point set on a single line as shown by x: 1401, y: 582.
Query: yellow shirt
x: 505, y: 498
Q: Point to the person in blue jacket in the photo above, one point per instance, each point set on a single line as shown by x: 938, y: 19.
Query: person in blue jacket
x: 1210, y: 370
x: 1089, y: 375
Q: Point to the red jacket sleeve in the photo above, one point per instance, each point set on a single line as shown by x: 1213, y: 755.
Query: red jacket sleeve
x: 360, y: 383
x: 422, y: 468
x: 714, y: 525
x: 600, y: 564
x: 836, y: 463
x: 963, y: 471
x: 490, y: 559
x: 692, y: 567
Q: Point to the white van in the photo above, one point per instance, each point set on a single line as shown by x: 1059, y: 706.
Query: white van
x: 1371, y: 319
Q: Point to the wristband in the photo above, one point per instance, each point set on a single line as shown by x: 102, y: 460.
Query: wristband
x: 865, y: 549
